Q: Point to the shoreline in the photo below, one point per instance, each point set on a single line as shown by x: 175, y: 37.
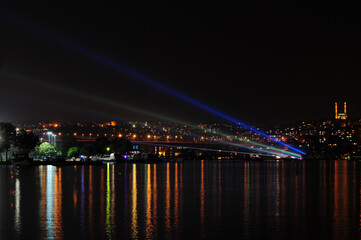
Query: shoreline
x: 78, y: 163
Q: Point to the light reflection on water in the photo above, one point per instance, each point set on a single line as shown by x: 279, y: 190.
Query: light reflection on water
x: 195, y: 199
x: 50, y: 206
x: 17, y: 207
x: 107, y: 221
x: 134, y: 226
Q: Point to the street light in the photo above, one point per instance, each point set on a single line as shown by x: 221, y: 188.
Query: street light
x: 49, y: 133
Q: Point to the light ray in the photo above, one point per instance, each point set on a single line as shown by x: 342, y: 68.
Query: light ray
x: 267, y: 150
x: 209, y: 149
x: 135, y: 75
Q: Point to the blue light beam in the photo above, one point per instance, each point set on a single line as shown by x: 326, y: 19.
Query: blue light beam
x: 135, y: 75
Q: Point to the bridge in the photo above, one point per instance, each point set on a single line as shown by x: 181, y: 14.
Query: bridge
x: 212, y: 146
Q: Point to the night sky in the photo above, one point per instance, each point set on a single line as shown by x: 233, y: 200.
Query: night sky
x: 259, y: 63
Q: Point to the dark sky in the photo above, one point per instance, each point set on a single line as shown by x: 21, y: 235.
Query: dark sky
x: 260, y: 63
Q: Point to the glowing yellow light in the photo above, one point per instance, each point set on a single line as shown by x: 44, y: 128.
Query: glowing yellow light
x: 134, y: 136
x: 134, y: 204
x: 149, y: 136
x: 74, y: 134
x: 59, y: 133
x: 119, y: 135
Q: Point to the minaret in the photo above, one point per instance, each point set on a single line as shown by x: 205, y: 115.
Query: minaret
x: 344, y: 108
x: 336, y: 116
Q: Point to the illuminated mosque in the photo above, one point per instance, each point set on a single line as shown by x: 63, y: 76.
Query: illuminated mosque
x: 338, y: 115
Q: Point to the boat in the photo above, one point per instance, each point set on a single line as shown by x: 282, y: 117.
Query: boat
x: 110, y: 158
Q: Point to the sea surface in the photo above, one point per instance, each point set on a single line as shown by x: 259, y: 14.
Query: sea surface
x: 188, y: 200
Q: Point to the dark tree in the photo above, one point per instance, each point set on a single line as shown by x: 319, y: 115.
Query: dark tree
x: 66, y: 142
x: 7, y: 136
x: 86, y: 150
x: 26, y: 141
x: 120, y: 145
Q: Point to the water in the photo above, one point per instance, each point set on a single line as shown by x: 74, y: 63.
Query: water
x: 189, y: 200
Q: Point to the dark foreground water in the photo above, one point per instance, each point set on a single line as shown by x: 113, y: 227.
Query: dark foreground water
x: 189, y: 200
